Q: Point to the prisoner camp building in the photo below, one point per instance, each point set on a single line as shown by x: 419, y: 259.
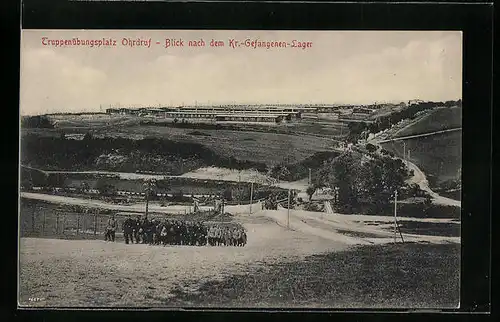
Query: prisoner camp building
x: 221, y: 114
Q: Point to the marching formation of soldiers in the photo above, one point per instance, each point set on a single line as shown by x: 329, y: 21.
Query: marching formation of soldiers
x: 177, y: 232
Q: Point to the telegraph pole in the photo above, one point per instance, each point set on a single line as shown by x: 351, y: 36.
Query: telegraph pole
x: 147, y: 202
x: 251, y: 196
x: 404, y: 151
x: 395, y: 210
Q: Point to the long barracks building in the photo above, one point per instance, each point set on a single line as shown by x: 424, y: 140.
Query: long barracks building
x: 221, y: 113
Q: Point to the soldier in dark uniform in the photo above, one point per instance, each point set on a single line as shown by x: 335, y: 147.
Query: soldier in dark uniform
x: 202, y: 234
x: 144, y: 226
x: 136, y: 227
x: 177, y: 233
x: 157, y: 237
x: 128, y: 227
x: 151, y: 231
x: 182, y: 235
x: 170, y: 232
x: 188, y: 231
x: 243, y: 238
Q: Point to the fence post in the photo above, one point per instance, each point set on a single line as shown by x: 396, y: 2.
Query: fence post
x: 57, y: 222
x: 77, y: 223
x: 95, y: 224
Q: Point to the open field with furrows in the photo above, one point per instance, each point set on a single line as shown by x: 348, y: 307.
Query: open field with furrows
x: 439, y: 156
x: 437, y: 120
x: 269, y: 148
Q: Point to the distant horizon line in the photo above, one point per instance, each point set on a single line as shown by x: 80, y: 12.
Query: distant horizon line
x: 104, y: 107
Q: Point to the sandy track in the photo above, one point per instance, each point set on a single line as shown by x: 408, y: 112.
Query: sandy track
x: 328, y: 225
x: 97, y: 273
x: 138, y: 207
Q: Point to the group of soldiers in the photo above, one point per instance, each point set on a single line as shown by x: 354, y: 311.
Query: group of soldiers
x: 176, y: 232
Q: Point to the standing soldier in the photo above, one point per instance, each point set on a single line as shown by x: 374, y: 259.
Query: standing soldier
x: 218, y: 236
x: 163, y: 234
x: 210, y: 235
x: 143, y: 230
x: 227, y: 237
x: 202, y: 234
x: 196, y: 205
x: 243, y: 237
x: 236, y: 237
x: 170, y: 233
x: 151, y: 231
x: 111, y: 229
x: 128, y: 226
x: 137, y: 226
x: 217, y: 206
x: 177, y: 233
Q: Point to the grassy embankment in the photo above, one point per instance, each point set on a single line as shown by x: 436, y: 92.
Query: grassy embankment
x: 439, y: 156
x: 399, y: 276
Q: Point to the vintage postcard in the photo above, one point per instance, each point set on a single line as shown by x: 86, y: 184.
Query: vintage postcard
x: 240, y: 169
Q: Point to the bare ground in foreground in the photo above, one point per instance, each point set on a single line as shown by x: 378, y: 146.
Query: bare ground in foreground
x: 95, y: 273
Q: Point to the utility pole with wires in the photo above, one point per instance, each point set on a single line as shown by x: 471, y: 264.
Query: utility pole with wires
x: 404, y: 151
x: 395, y: 211
x: 395, y: 218
x: 288, y: 210
x: 147, y: 189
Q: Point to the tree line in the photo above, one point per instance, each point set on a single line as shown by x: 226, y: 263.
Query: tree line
x: 36, y: 121
x: 362, y: 180
x: 122, y: 154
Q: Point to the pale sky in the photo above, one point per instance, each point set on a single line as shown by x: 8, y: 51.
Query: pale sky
x: 348, y: 67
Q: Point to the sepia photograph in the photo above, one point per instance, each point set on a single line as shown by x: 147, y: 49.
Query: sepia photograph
x: 240, y: 169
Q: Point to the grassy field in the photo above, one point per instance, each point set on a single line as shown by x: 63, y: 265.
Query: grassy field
x: 270, y: 148
x: 391, y: 276
x: 430, y: 228
x: 439, y: 119
x: 439, y: 156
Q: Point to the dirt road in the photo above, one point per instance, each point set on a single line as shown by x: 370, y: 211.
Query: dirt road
x: 138, y: 207
x: 328, y: 226
x: 420, y: 135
